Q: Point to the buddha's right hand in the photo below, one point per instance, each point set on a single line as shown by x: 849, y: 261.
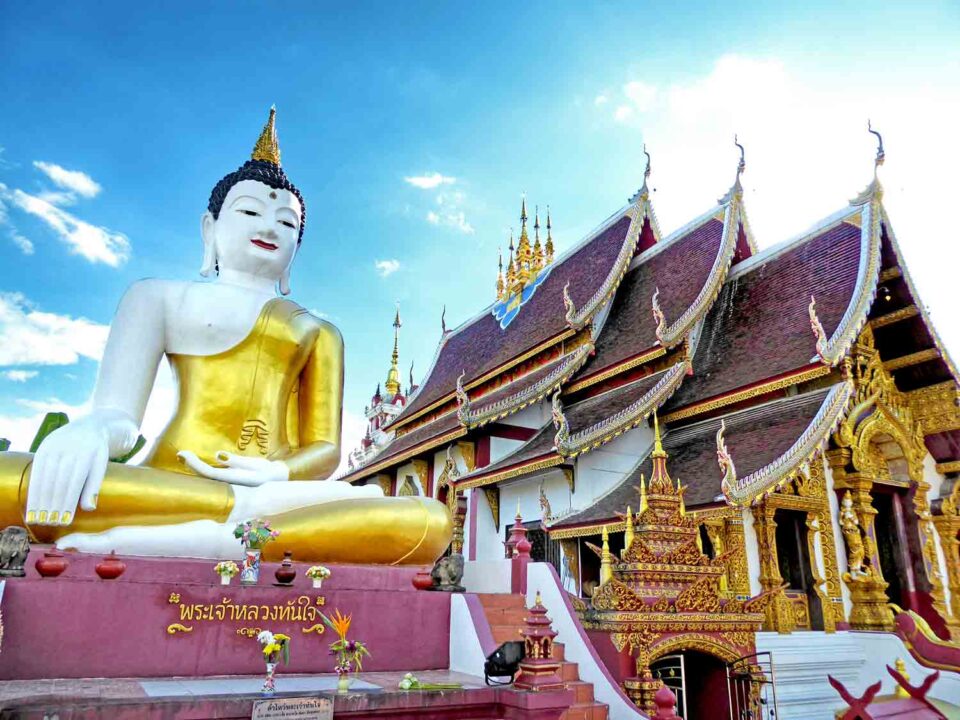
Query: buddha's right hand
x: 69, y: 465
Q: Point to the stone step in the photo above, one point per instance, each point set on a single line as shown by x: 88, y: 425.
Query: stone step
x: 569, y: 671
x: 504, y: 616
x: 498, y: 601
x: 586, y: 711
x: 505, y: 633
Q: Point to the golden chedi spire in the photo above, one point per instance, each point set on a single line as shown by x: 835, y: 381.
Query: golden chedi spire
x: 548, y: 248
x: 606, y: 559
x: 511, y: 268
x: 267, y: 148
x: 524, y: 252
x: 643, y: 496
x: 628, y: 530
x: 660, y: 482
x: 393, y: 375
x: 501, y: 283
x: 537, y: 248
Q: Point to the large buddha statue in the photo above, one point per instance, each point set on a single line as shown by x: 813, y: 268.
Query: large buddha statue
x: 256, y: 431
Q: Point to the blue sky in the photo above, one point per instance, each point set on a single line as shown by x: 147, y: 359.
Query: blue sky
x: 413, y: 128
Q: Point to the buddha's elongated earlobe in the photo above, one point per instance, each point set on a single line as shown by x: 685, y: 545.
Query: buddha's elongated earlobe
x: 209, y: 265
x: 285, y: 282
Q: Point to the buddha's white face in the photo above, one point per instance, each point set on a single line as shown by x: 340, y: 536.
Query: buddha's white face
x: 256, y: 231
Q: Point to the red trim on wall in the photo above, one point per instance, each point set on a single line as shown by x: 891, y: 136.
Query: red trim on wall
x: 482, y: 457
x: 510, y: 432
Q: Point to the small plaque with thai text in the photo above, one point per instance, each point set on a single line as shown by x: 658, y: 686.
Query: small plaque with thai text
x: 293, y: 709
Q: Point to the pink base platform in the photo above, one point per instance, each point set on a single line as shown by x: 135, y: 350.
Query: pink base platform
x: 166, y: 618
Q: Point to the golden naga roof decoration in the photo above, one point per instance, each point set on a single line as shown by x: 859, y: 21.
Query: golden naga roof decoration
x: 267, y: 148
x: 559, y: 422
x: 643, y: 193
x: 474, y: 413
x: 818, y: 331
x: 572, y: 444
x: 753, y: 488
x: 735, y: 193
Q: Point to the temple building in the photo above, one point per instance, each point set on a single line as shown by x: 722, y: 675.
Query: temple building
x: 806, y: 408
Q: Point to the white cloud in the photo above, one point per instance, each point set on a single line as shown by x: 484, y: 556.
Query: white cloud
x: 19, y: 376
x: 430, y: 181
x: 96, y: 244
x: 26, y: 247
x: 622, y: 113
x: 71, y: 180
x: 600, y: 100
x: 386, y: 268
x: 641, y: 94
x: 31, y: 337
x: 450, y: 214
x: 20, y: 428
x: 808, y: 152
x: 433, y: 218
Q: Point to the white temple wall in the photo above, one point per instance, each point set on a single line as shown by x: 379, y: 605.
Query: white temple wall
x: 489, y: 545
x: 838, y: 538
x: 752, y: 547
x: 501, y: 447
x: 597, y: 472
x: 535, y: 416
x: 527, y: 492
x: 407, y: 470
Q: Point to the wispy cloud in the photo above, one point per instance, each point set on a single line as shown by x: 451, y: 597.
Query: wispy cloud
x: 70, y: 180
x: 449, y: 212
x: 32, y: 337
x: 385, y: 268
x: 430, y: 181
x: 19, y: 376
x: 93, y: 242
x: 600, y: 100
x: 26, y: 247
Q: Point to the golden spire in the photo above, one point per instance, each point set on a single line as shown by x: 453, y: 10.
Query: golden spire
x: 524, y: 253
x: 643, y: 496
x: 511, y: 267
x: 548, y: 248
x: 501, y: 288
x: 628, y: 530
x: 683, y: 505
x: 393, y: 375
x: 537, y: 248
x: 657, y: 444
x: 267, y: 147
x: 606, y: 571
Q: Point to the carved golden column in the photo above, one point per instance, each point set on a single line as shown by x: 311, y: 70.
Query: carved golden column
x: 814, y: 522
x: 738, y: 573
x: 868, y: 589
x: 779, y: 614
x: 948, y: 528
x: 714, y: 527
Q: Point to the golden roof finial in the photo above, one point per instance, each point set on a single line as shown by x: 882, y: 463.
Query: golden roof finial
x: 548, y: 248
x: 501, y: 283
x: 646, y: 172
x: 628, y: 530
x: 742, y: 165
x: 881, y: 156
x: 267, y: 147
x: 519, y: 516
x: 683, y: 505
x: 537, y: 248
x: 643, y: 496
x: 393, y: 375
x: 658, y: 450
x: 606, y: 564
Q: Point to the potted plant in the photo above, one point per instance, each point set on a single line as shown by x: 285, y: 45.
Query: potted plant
x: 274, y: 647
x: 226, y: 570
x: 317, y: 573
x: 253, y: 535
x: 349, y: 652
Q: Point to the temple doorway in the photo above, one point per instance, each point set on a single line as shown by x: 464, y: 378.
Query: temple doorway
x: 698, y: 680
x: 793, y: 557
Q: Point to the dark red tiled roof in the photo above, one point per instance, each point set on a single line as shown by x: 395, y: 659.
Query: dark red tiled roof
x: 755, y: 438
x: 482, y: 346
x: 410, y: 440
x: 580, y: 416
x: 680, y: 270
x: 759, y: 327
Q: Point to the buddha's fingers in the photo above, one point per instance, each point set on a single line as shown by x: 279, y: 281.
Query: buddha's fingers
x: 191, y: 460
x: 48, y: 482
x: 71, y: 473
x: 34, y: 490
x: 239, y: 461
x: 91, y: 489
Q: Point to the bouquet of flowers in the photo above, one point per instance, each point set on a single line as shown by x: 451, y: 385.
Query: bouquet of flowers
x: 348, y: 652
x: 410, y: 682
x: 274, y: 647
x: 226, y: 570
x: 254, y: 534
x: 317, y: 573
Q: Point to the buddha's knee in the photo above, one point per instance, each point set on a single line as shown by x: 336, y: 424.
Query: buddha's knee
x: 13, y: 487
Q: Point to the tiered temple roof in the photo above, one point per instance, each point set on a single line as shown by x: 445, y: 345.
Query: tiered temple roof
x: 699, y: 325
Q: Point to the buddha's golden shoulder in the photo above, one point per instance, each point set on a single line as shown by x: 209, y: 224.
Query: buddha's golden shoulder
x: 327, y: 333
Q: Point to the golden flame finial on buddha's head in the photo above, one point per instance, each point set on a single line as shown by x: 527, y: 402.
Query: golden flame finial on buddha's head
x: 267, y: 148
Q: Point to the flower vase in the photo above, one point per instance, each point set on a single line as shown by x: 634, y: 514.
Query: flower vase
x: 317, y: 583
x: 269, y: 684
x: 225, y: 579
x: 250, y: 574
x: 343, y: 683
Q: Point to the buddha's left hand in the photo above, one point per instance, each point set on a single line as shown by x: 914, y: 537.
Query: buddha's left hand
x: 237, y: 469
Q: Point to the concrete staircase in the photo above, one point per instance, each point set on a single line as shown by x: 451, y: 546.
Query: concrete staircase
x: 505, y: 614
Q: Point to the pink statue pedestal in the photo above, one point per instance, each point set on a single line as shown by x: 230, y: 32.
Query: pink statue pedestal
x: 172, y: 617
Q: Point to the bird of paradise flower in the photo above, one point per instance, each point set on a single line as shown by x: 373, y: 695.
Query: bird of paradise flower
x: 348, y: 652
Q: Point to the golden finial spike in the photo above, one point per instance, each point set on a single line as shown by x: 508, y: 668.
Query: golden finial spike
x: 393, y: 375
x: 683, y: 505
x: 643, y: 496
x: 628, y: 530
x: 519, y: 516
x: 657, y: 444
x: 267, y: 147
x: 606, y: 571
